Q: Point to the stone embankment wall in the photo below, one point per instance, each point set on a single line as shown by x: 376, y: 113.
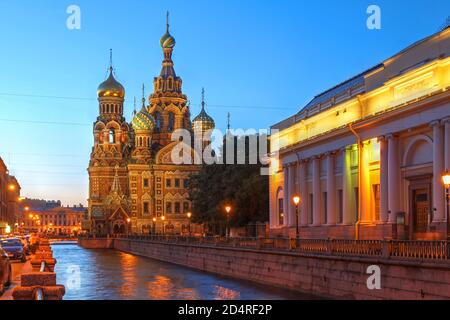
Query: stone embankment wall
x: 326, y: 276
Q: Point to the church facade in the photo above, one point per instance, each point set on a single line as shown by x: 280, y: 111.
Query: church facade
x: 366, y: 158
x: 134, y: 185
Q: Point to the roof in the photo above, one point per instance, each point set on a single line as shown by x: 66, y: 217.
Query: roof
x: 346, y: 90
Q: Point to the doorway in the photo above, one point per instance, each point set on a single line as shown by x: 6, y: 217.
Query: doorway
x: 420, y: 207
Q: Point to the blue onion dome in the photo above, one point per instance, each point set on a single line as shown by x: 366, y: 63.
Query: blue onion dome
x: 203, y: 122
x: 143, y: 121
x: 110, y: 87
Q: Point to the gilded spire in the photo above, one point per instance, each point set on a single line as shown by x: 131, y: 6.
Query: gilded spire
x: 203, y: 98
x: 143, y: 96
x: 167, y: 21
x: 110, y: 61
x: 134, y: 109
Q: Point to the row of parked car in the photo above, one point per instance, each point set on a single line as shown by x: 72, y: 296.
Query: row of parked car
x: 12, y: 248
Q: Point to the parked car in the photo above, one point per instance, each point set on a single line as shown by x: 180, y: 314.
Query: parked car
x: 14, y: 249
x: 5, y: 271
x: 26, y: 245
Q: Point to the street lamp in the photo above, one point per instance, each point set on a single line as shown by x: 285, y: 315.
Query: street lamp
x: 154, y: 225
x: 128, y: 227
x: 296, y: 200
x: 446, y: 181
x: 164, y: 229
x: 11, y: 187
x: 189, y: 215
x: 227, y: 210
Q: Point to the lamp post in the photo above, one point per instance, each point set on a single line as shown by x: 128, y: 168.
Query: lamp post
x: 228, y: 210
x: 446, y: 181
x: 296, y: 200
x: 154, y: 225
x: 189, y: 215
x: 129, y: 225
x: 163, y: 225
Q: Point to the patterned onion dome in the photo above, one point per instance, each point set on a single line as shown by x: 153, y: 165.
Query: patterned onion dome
x: 110, y: 87
x: 167, y: 41
x: 143, y: 121
x: 203, y: 122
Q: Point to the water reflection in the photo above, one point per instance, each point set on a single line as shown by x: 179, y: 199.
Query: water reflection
x: 110, y: 274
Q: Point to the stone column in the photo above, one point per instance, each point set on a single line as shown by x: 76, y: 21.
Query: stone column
x: 302, y: 186
x: 438, y: 170
x: 384, y: 205
x: 317, y: 221
x: 393, y: 177
x: 286, y: 194
x: 366, y: 209
x: 347, y: 187
x: 331, y: 190
x: 291, y: 218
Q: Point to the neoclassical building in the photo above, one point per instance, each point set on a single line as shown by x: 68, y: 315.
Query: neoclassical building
x: 366, y: 157
x: 133, y: 179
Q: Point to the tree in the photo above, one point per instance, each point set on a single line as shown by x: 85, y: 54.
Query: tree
x: 241, y: 186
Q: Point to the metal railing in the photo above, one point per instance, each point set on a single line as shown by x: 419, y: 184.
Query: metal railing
x: 388, y: 249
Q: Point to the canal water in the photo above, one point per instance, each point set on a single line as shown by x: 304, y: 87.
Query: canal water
x: 104, y: 274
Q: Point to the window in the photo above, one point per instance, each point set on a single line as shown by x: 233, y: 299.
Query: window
x: 146, y: 183
x: 158, y: 122
x: 376, y: 197
x: 311, y: 208
x: 177, y: 183
x: 325, y: 208
x: 177, y: 207
x: 186, y: 183
x: 341, y: 206
x: 185, y: 207
x: 280, y: 212
x: 171, y: 124
x: 146, y: 208
x: 168, y: 207
x: 168, y: 183
x: 112, y: 136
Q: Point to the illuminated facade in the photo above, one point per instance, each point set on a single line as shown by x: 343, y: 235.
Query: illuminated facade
x: 9, y: 200
x: 367, y: 156
x: 57, y: 220
x: 134, y: 185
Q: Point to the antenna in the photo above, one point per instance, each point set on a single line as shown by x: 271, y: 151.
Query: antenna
x: 228, y: 121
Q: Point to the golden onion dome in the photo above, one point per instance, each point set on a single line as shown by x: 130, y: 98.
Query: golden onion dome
x: 203, y: 122
x: 110, y: 87
x: 143, y: 121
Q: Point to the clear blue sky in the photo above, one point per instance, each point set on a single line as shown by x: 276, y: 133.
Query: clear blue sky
x: 267, y: 57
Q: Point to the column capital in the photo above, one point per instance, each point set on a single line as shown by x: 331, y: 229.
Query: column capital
x: 390, y: 136
x: 435, y: 123
x: 381, y: 138
x: 446, y: 120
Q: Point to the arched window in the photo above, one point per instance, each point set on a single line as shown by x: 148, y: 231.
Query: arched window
x: 158, y: 121
x: 171, y: 125
x: 112, y: 136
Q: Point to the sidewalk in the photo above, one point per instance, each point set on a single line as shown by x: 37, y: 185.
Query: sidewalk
x: 18, y: 269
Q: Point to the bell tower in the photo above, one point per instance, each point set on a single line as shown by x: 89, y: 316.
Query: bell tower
x: 110, y: 151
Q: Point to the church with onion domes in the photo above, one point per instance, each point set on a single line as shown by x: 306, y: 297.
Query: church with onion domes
x: 134, y: 185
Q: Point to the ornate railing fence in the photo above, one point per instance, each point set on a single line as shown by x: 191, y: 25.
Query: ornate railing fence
x: 388, y: 249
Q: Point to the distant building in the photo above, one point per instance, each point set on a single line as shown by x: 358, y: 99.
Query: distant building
x: 367, y: 156
x: 9, y: 200
x: 54, y: 220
